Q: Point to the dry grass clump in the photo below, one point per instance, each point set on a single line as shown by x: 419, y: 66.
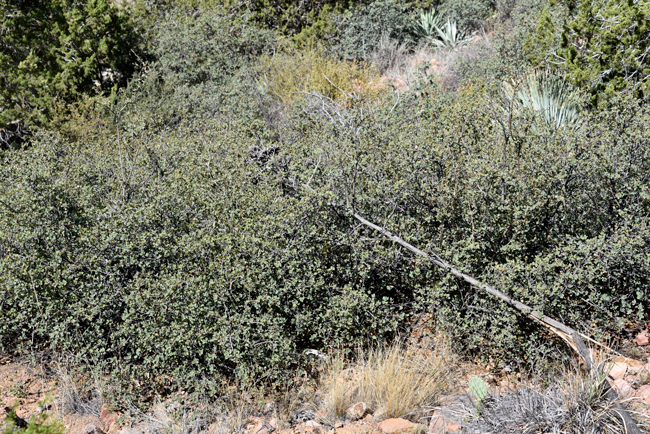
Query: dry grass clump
x: 236, y: 411
x: 177, y: 416
x: 449, y: 67
x: 573, y: 403
x: 289, y: 73
x: 391, y: 56
x: 394, y: 381
x: 76, y: 396
x: 337, y: 389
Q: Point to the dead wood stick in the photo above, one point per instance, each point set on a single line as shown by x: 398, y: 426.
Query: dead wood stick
x: 572, y: 337
x: 472, y: 281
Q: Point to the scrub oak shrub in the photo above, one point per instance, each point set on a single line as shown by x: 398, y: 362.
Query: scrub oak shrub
x: 359, y: 30
x: 182, y: 258
x: 179, y: 238
x: 198, y: 61
x: 554, y: 218
x: 221, y: 250
x: 201, y: 68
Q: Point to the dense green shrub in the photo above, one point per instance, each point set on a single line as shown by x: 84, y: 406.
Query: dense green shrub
x: 469, y: 14
x: 360, y: 30
x: 542, y: 214
x: 285, y: 17
x: 54, y: 52
x: 183, y: 256
x: 601, y: 44
x: 177, y: 233
x: 219, y: 248
x: 200, y: 67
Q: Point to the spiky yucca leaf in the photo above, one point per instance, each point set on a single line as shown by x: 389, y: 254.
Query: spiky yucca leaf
x: 428, y: 24
x: 450, y: 36
x: 547, y: 94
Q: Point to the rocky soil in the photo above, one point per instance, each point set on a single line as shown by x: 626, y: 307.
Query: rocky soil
x: 26, y: 388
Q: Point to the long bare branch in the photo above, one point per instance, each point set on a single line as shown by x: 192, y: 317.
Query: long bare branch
x: 572, y: 337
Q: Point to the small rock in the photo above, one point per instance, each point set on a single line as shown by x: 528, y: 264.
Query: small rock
x: 92, y: 429
x: 357, y: 411
x: 644, y: 393
x: 354, y: 429
x: 108, y: 418
x: 306, y: 428
x: 106, y: 410
x: 623, y: 387
x: 618, y: 371
x: 642, y: 338
x: 313, y: 423
x: 397, y: 426
x: 630, y: 379
x: 453, y: 427
x: 268, y: 408
x: 257, y: 425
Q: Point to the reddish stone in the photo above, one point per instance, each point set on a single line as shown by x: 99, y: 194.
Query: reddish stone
x: 453, y: 427
x: 644, y: 393
x: 642, y: 338
x: 108, y: 418
x: 354, y: 429
x: 393, y: 425
x: 400, y: 426
x: 309, y: 427
x: 105, y: 411
x: 618, y: 371
x: 257, y: 425
x: 623, y: 387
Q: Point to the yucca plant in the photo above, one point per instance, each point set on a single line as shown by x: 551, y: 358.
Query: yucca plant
x: 547, y: 94
x: 427, y: 26
x: 451, y: 37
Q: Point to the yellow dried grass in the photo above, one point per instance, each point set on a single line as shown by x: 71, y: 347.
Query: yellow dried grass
x: 394, y: 381
x: 289, y: 73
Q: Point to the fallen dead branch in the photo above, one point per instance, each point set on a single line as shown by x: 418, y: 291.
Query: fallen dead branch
x: 572, y: 337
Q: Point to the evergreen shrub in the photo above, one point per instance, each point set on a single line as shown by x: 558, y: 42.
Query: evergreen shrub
x: 554, y: 218
x: 469, y: 14
x: 180, y: 239
x: 54, y: 52
x: 359, y: 31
